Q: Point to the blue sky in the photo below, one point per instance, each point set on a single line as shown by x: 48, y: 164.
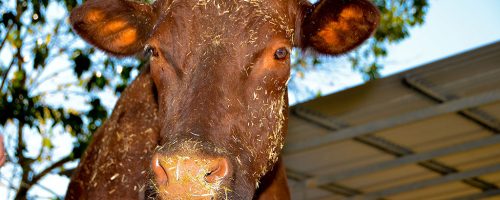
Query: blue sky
x: 451, y: 27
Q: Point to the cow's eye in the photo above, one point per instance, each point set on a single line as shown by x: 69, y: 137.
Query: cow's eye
x: 281, y: 54
x: 150, y: 51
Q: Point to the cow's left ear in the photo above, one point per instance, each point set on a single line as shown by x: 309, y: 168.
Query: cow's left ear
x: 337, y: 26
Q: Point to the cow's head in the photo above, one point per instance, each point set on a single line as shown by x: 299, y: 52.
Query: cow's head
x: 221, y: 69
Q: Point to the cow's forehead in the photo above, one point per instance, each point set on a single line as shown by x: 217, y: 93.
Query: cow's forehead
x: 251, y: 19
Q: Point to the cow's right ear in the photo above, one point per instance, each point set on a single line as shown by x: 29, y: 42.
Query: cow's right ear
x: 119, y: 27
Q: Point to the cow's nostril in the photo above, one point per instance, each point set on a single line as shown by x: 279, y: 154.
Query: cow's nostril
x: 218, y: 170
x: 159, y: 170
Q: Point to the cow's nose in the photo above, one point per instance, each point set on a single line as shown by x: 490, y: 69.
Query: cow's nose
x: 188, y: 171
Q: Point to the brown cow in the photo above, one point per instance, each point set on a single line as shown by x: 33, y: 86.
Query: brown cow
x: 208, y: 117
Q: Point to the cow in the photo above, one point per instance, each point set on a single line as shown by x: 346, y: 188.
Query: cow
x: 207, y: 118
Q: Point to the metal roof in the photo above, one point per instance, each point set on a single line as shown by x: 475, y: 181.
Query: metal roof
x: 429, y: 133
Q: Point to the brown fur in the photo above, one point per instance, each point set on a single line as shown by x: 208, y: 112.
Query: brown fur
x: 214, y: 88
x: 117, y: 160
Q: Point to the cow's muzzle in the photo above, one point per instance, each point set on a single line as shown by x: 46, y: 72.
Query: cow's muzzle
x: 189, y: 177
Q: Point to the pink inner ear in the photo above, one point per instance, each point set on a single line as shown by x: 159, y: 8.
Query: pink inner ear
x: 114, y: 26
x: 94, y: 16
x: 125, y: 38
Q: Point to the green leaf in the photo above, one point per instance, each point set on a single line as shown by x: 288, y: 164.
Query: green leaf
x: 120, y: 88
x: 46, y: 142
x: 125, y: 74
x: 8, y: 18
x: 82, y: 64
x: 70, y: 4
x: 41, y: 53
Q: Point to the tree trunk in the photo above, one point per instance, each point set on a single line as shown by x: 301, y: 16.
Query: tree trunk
x: 22, y: 193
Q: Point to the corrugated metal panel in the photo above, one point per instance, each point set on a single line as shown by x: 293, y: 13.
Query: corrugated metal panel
x: 395, y: 138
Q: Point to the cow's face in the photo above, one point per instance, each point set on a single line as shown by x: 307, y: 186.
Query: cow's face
x: 221, y: 69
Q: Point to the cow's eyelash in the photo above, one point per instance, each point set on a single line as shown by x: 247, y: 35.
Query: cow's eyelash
x: 150, y: 51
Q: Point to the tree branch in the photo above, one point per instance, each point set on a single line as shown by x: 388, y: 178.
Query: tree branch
x: 25, y: 166
x: 26, y: 185
x: 47, y: 170
x: 48, y: 190
x: 37, y: 82
x: 4, y: 78
x: 9, y: 186
x: 66, y: 92
x: 8, y: 182
x: 67, y: 172
x: 6, y: 35
x: 20, y: 144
